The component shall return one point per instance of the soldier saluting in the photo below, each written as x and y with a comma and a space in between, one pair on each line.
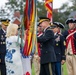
4, 24
46, 40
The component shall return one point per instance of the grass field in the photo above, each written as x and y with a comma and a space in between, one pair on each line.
64, 70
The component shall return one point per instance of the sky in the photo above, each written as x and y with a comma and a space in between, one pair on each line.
56, 3
2, 3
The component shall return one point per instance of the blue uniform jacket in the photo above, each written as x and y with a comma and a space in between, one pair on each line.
60, 47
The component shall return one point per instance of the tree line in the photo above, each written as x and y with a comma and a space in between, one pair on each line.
62, 14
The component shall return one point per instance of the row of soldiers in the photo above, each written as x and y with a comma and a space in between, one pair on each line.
52, 46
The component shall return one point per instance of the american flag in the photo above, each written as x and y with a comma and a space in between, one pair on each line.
49, 7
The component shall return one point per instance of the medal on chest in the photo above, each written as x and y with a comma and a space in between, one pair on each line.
2, 37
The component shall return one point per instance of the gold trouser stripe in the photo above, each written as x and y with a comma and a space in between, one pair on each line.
50, 69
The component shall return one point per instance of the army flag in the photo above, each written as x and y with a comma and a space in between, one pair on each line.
30, 26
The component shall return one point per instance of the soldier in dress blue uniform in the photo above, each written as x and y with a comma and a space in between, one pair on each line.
4, 25
59, 46
70, 36
46, 40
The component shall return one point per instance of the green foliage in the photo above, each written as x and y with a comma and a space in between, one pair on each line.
41, 9
14, 5
61, 16
64, 11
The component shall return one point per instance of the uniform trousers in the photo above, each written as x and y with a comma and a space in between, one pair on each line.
47, 69
58, 68
2, 64
71, 64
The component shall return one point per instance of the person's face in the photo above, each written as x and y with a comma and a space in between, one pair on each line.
71, 25
55, 29
58, 29
4, 27
44, 24
39, 29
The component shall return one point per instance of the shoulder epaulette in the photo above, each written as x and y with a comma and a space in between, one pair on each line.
49, 29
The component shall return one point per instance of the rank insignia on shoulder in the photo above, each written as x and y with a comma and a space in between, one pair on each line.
64, 43
49, 29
